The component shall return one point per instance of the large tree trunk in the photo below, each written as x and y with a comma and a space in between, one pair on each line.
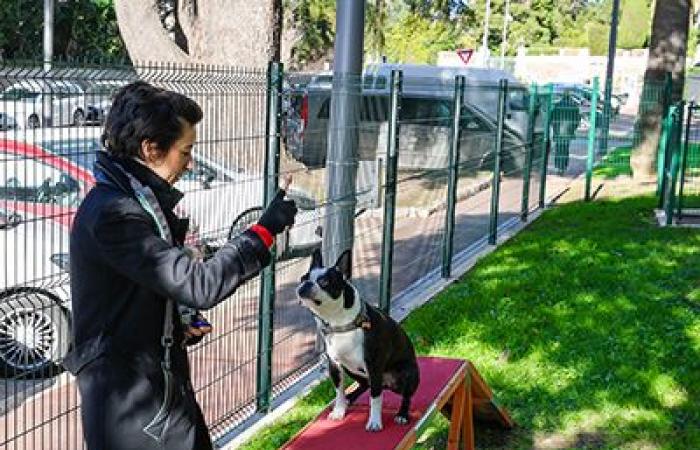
228, 32
669, 40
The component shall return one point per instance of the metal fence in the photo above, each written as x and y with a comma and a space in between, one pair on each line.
442, 166
679, 161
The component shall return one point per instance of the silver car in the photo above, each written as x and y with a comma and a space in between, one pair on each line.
39, 103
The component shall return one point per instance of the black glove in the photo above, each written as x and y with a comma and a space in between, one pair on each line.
279, 215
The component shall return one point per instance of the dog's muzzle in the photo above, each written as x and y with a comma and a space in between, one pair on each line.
306, 291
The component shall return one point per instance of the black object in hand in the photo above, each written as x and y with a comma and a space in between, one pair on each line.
279, 214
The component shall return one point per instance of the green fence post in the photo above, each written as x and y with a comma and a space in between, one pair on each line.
661, 161
684, 157
527, 173
496, 184
546, 144
675, 150
275, 72
453, 168
591, 140
664, 145
392, 147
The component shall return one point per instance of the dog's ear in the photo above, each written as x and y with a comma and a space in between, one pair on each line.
344, 264
316, 260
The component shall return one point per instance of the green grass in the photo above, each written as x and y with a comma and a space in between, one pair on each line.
586, 325
617, 162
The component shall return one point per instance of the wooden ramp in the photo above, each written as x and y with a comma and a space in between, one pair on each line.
451, 386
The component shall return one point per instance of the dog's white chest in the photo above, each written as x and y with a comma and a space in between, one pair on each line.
347, 350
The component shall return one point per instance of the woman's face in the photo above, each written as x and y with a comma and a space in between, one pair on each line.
178, 159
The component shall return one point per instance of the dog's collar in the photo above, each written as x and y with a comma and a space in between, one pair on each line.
360, 321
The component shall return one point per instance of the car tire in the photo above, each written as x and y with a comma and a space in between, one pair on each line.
79, 118
34, 333
250, 217
33, 121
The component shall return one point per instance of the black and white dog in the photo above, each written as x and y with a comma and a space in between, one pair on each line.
360, 340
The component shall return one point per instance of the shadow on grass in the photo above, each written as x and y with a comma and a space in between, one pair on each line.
583, 327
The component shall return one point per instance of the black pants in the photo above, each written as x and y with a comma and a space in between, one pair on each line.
120, 399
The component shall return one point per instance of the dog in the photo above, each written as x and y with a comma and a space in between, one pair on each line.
361, 341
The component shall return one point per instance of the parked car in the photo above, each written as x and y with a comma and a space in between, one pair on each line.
39, 103
219, 197
39, 195
42, 183
426, 109
98, 99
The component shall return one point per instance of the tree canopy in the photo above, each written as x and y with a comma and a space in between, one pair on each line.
82, 29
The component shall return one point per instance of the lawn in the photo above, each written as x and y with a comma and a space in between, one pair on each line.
586, 325
617, 162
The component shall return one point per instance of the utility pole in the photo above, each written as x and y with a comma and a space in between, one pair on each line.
485, 37
341, 160
612, 49
504, 39
48, 33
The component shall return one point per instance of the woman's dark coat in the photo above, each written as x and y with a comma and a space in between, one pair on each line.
122, 272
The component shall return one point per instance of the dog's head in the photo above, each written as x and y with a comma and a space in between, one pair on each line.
326, 290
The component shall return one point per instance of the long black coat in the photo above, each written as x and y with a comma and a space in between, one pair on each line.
122, 272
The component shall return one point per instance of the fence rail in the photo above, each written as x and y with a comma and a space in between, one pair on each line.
439, 168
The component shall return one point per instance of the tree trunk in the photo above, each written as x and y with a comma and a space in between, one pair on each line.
226, 32
276, 21
669, 40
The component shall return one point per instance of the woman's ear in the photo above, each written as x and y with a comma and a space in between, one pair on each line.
149, 152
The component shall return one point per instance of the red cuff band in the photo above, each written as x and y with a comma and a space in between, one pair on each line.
264, 234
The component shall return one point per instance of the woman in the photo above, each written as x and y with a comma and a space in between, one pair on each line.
129, 273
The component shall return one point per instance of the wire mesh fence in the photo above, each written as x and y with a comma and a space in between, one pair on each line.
447, 137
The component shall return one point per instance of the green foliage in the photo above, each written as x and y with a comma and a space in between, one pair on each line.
82, 29
635, 24
416, 39
315, 20
598, 38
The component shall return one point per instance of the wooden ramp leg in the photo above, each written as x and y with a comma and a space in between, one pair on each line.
468, 422
456, 417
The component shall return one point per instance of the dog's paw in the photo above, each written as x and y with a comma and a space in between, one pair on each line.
400, 420
374, 425
338, 412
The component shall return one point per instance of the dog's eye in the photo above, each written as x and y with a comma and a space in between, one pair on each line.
323, 282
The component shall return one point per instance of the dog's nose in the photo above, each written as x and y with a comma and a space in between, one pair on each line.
305, 289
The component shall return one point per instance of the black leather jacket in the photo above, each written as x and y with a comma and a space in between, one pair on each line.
122, 272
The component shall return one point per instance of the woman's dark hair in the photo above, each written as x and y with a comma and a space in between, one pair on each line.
141, 112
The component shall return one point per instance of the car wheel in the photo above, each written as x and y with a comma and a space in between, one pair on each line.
34, 333
33, 121
79, 118
250, 217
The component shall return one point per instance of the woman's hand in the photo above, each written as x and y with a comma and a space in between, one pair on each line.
196, 330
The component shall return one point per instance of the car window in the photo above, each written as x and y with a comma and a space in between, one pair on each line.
470, 123
425, 111
205, 172
374, 108
29, 180
82, 152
